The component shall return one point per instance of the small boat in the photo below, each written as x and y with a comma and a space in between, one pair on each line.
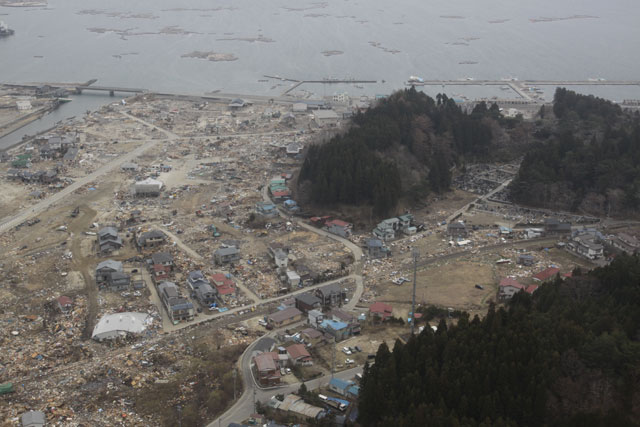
4, 30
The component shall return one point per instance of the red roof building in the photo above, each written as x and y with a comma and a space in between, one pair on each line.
508, 287
161, 272
381, 309
285, 194
338, 223
546, 274
223, 284
508, 281
299, 354
268, 373
531, 289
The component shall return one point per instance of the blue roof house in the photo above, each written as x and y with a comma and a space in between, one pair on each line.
339, 386
339, 330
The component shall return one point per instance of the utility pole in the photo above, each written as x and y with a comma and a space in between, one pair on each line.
254, 401
235, 374
415, 254
333, 360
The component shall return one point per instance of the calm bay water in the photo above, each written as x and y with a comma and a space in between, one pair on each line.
140, 44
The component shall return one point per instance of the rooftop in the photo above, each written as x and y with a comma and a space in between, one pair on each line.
297, 351
335, 325
308, 299
508, 281
110, 264
546, 274
121, 322
264, 362
380, 307
285, 314
231, 250
161, 257
340, 384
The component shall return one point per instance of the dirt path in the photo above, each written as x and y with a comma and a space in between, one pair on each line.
83, 264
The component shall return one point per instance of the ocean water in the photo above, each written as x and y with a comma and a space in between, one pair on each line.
142, 43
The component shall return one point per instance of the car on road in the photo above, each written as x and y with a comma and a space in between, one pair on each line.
349, 362
480, 287
358, 349
346, 351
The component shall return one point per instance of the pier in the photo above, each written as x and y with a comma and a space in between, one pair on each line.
522, 87
298, 83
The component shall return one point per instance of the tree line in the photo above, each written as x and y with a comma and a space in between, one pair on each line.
405, 146
567, 356
590, 161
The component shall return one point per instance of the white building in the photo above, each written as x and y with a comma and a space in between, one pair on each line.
112, 326
148, 187
23, 105
341, 97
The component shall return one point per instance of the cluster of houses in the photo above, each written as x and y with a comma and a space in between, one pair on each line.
290, 277
208, 291
280, 192
48, 147
57, 146
42, 176
392, 228
270, 365
508, 286
625, 243
326, 323
110, 274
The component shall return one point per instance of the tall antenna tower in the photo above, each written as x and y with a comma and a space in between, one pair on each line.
415, 254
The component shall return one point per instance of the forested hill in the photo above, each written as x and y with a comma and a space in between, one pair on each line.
403, 147
590, 162
567, 356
